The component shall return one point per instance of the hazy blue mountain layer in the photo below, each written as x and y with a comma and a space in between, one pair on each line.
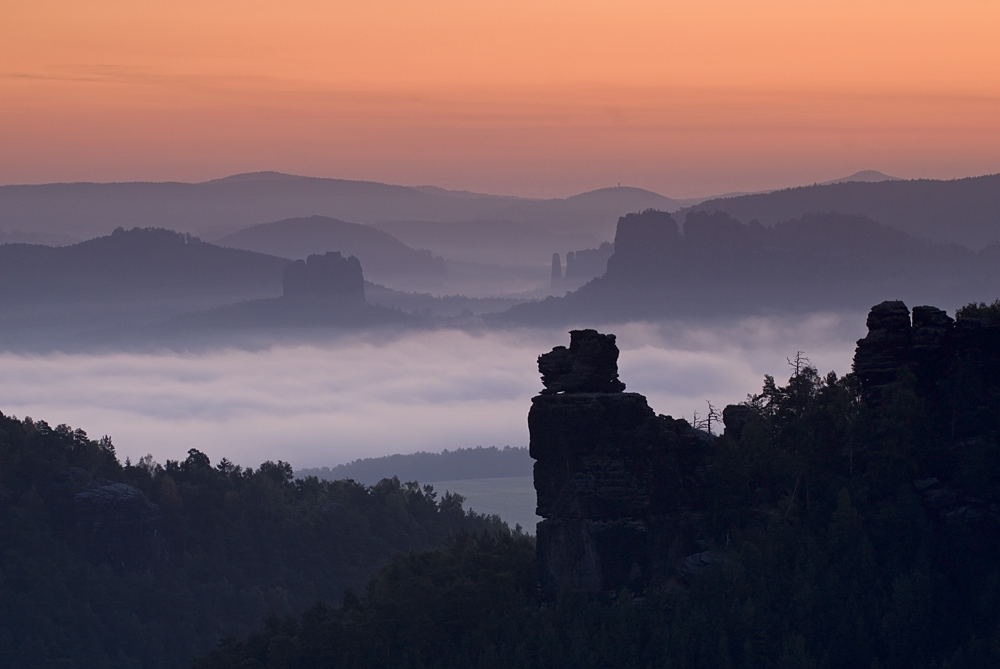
384, 257
215, 208
462, 463
720, 265
964, 211
137, 264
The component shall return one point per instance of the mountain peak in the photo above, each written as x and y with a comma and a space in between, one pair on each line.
871, 176
255, 176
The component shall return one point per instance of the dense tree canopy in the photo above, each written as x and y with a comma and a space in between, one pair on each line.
839, 533
111, 565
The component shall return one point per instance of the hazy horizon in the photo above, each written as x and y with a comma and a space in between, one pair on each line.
569, 192
536, 99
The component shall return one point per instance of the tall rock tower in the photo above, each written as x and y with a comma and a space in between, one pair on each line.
607, 473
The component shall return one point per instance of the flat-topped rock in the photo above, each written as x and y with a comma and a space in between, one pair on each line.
325, 277
589, 365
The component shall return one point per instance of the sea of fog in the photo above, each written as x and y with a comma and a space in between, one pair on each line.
368, 395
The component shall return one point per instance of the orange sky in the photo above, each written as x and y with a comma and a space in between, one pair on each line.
542, 97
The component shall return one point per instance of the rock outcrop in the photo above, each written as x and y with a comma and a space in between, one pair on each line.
650, 233
645, 246
587, 264
121, 525
888, 348
735, 417
328, 277
608, 474
952, 366
929, 346
589, 365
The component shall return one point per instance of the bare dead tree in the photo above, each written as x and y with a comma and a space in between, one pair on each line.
713, 416
799, 363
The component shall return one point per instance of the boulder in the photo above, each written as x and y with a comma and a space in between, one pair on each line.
120, 525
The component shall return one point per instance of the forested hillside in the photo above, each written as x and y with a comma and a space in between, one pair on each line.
844, 521
104, 564
385, 258
962, 211
461, 463
137, 265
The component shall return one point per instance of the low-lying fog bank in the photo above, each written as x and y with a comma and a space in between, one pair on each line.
365, 395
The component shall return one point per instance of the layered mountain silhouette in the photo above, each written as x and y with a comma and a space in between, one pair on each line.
114, 290
964, 211
721, 265
385, 258
496, 242
135, 265
322, 290
222, 206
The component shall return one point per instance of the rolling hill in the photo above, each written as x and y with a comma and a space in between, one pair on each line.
963, 211
138, 264
385, 259
215, 208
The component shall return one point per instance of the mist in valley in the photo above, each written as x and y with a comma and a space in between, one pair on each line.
233, 373
342, 397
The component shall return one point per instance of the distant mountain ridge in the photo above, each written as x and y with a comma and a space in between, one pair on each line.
722, 265
138, 264
963, 211
90, 294
869, 176
215, 208
385, 258
460, 464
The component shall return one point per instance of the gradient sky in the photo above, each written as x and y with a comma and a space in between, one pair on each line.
540, 97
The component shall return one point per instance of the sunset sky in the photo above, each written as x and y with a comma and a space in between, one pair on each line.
539, 98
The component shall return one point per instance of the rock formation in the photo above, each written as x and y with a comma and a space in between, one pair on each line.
735, 417
120, 524
608, 474
930, 347
587, 264
620, 489
590, 364
887, 349
329, 277
649, 233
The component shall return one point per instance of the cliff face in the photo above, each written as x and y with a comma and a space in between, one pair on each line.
608, 474
721, 264
328, 276
623, 493
587, 264
954, 365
